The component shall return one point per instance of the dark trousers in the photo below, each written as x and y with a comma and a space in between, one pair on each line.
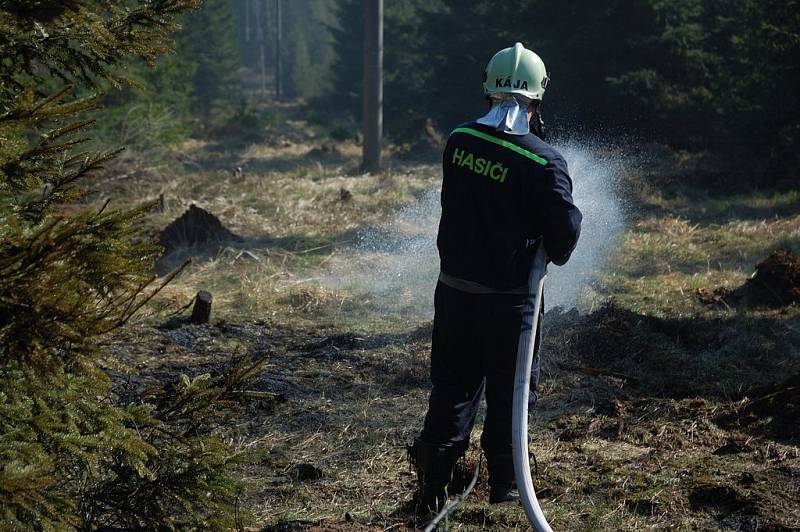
474, 351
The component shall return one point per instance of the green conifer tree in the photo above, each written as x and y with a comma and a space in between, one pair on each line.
414, 64
302, 79
158, 110
72, 456
212, 43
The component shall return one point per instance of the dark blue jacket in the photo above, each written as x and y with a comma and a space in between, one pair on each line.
499, 193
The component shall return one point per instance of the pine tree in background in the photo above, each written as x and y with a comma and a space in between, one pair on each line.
409, 65
192, 90
347, 33
158, 111
718, 76
302, 80
210, 39
308, 53
72, 456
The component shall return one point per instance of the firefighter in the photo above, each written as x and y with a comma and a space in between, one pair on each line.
503, 187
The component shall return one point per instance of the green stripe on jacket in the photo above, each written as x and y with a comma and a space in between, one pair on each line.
500, 142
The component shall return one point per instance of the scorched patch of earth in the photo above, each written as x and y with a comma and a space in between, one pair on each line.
626, 434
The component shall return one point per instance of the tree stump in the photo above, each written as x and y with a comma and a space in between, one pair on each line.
201, 312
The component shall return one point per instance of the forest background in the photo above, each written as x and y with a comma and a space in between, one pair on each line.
86, 445
701, 76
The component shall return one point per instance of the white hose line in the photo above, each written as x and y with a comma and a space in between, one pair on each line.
450, 506
522, 382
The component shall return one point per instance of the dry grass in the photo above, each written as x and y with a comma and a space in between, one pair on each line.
614, 453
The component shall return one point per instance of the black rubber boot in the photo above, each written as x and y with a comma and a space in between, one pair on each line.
434, 465
502, 486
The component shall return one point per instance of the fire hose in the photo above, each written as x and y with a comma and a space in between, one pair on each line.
522, 382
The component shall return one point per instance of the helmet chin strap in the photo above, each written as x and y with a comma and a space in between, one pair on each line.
537, 123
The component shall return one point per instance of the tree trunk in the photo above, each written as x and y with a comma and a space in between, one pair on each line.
373, 85
261, 37
277, 49
247, 20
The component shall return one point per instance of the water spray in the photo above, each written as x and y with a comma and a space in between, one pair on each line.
395, 265
398, 263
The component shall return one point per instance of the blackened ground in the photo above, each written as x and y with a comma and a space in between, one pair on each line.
633, 418
775, 283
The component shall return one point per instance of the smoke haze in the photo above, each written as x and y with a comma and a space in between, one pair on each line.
398, 263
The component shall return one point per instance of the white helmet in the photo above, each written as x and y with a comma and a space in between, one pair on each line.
516, 70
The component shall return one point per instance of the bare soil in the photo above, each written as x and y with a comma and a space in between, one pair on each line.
775, 283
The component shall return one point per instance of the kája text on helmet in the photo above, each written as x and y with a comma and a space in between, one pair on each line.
520, 84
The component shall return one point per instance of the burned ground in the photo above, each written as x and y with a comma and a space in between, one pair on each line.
344, 405
655, 411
